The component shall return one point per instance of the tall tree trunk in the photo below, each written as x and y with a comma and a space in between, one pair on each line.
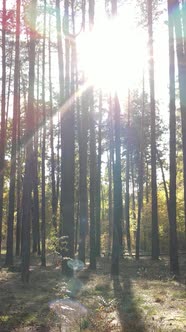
43, 195
3, 123
133, 187
92, 184
83, 177
98, 182
61, 100
36, 226
110, 212
10, 221
19, 183
181, 59
83, 194
28, 176
140, 177
110, 168
92, 161
68, 161
9, 81
183, 113
127, 199
77, 225
54, 197
58, 161
155, 233
117, 229
173, 249
147, 182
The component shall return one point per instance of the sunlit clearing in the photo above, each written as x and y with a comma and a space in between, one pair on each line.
112, 56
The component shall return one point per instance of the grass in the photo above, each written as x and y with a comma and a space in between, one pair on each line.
138, 301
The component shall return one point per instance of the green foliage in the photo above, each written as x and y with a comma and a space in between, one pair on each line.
146, 227
57, 245
163, 221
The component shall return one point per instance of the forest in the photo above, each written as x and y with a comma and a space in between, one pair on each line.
93, 165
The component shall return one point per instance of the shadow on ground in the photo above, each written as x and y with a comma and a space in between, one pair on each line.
27, 306
127, 306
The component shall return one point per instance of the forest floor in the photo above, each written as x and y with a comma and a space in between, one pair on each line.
145, 297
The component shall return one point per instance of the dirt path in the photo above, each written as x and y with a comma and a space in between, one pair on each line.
145, 297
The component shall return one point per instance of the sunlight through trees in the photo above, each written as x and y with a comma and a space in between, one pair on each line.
92, 152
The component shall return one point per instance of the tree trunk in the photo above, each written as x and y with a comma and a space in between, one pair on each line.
110, 168
155, 233
54, 196
147, 182
9, 81
19, 184
9, 252
43, 195
140, 177
98, 182
110, 216
181, 59
92, 184
28, 176
127, 200
35, 227
3, 121
92, 161
67, 198
83, 177
117, 229
173, 249
133, 188
61, 100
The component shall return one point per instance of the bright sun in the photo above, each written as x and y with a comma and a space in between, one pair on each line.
112, 56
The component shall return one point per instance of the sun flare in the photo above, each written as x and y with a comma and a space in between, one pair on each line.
112, 56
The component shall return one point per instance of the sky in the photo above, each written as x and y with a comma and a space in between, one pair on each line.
114, 55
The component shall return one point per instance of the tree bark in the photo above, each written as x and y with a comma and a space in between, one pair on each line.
54, 196
140, 176
83, 177
98, 181
28, 176
19, 183
127, 200
10, 221
117, 229
3, 121
155, 232
35, 225
173, 247
181, 59
92, 184
133, 188
92, 160
61, 100
67, 198
43, 195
